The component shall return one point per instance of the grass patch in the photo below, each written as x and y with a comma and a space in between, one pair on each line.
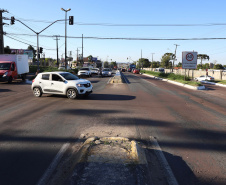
221, 82
173, 77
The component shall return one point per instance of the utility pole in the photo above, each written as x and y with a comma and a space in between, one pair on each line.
77, 54
82, 49
57, 48
1, 32
175, 54
65, 35
141, 60
152, 59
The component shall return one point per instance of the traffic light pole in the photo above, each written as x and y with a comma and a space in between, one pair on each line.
37, 33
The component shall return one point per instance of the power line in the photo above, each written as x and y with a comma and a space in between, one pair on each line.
25, 42
116, 24
143, 25
124, 38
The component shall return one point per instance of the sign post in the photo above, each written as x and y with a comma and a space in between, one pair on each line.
189, 60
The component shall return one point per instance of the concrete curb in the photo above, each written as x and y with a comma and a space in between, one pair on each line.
137, 152
177, 83
206, 82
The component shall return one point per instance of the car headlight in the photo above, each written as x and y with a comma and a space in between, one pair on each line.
80, 85
6, 73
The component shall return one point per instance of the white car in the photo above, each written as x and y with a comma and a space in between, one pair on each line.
95, 71
106, 72
63, 83
63, 67
204, 78
85, 71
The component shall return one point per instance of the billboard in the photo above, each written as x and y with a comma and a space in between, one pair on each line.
23, 52
189, 60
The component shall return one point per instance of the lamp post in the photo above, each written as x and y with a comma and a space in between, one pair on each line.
152, 60
65, 35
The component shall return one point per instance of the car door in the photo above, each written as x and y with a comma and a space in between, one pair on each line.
57, 84
44, 83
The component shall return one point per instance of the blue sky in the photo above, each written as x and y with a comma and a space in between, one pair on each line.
39, 14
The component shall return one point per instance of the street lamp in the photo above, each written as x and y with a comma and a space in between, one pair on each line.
65, 35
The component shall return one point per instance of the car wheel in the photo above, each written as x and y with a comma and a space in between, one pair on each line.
72, 93
37, 92
10, 80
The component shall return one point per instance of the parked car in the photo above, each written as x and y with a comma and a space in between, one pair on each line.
204, 77
63, 67
160, 70
136, 71
63, 83
95, 71
106, 72
85, 71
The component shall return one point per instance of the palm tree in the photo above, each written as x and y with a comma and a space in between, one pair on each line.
203, 57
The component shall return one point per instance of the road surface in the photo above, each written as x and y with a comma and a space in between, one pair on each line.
189, 125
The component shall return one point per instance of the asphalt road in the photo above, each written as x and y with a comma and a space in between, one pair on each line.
190, 126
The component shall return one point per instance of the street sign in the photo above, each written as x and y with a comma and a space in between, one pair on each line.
189, 60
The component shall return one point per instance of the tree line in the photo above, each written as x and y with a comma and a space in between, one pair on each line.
167, 62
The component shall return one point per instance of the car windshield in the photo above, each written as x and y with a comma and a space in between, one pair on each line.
69, 76
106, 70
85, 69
95, 69
4, 66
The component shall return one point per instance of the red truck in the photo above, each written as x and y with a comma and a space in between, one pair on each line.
13, 67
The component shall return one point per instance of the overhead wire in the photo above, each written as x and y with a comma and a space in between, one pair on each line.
127, 38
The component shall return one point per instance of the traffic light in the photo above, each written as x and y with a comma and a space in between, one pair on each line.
71, 20
40, 50
12, 20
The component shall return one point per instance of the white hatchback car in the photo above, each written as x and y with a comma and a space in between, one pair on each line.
59, 82
204, 78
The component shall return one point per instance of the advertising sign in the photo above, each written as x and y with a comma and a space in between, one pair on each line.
94, 59
189, 60
23, 52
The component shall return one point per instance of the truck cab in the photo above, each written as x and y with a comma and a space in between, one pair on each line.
13, 67
8, 71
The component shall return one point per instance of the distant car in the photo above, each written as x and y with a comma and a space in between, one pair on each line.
95, 71
63, 67
162, 70
123, 70
106, 72
85, 71
63, 83
136, 71
204, 78
129, 69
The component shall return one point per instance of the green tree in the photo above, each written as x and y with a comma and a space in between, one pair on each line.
155, 64
113, 64
7, 50
106, 64
203, 57
144, 62
206, 66
165, 61
90, 57
218, 66
179, 64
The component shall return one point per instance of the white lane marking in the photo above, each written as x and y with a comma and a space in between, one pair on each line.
169, 173
53, 165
